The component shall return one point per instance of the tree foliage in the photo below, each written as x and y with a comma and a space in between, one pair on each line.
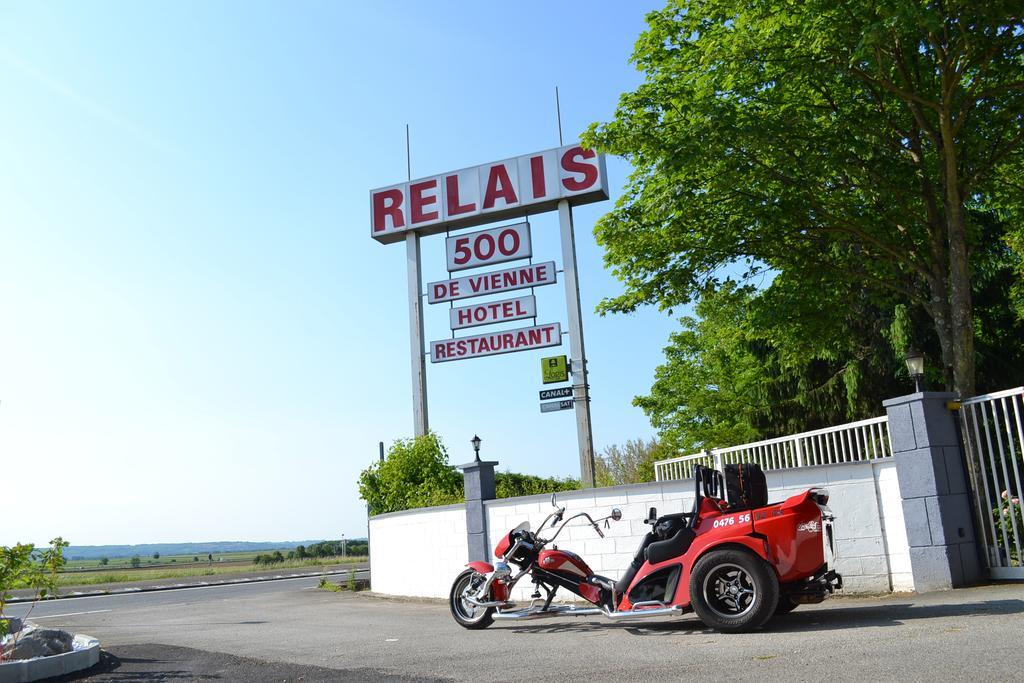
847, 146
802, 353
631, 463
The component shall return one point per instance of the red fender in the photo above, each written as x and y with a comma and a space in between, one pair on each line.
482, 567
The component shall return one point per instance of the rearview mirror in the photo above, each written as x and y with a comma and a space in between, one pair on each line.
616, 514
553, 503
652, 516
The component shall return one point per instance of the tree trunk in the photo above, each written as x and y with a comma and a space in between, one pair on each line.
960, 304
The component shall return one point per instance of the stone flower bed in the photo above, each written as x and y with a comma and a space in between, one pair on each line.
31, 653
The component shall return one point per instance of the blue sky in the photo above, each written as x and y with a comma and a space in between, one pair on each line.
198, 338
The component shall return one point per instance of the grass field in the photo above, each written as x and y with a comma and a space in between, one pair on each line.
165, 560
127, 574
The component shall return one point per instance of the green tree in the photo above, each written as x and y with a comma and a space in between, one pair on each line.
415, 473
848, 143
24, 566
631, 463
136, 561
156, 556
104, 561
759, 364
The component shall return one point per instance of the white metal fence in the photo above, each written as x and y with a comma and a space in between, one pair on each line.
994, 441
853, 442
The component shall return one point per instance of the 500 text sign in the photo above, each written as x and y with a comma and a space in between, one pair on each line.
488, 247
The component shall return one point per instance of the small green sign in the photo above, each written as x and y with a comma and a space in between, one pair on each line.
554, 369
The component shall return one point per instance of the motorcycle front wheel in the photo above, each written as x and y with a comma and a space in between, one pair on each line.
466, 614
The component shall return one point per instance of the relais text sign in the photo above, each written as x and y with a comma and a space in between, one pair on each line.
488, 193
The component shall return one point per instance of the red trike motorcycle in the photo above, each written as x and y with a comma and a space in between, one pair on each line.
735, 561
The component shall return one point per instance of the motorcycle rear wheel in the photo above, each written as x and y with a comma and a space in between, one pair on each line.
466, 614
733, 591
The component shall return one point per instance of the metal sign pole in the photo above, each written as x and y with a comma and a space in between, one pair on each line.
580, 385
419, 359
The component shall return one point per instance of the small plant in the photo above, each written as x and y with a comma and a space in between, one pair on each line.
352, 579
1003, 516
328, 586
23, 566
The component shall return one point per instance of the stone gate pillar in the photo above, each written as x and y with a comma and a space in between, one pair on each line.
478, 483
933, 484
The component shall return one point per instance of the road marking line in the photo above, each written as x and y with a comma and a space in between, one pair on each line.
138, 591
72, 614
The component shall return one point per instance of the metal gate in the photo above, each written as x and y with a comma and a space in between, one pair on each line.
994, 442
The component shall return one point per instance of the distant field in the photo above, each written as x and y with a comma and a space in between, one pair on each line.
170, 560
239, 563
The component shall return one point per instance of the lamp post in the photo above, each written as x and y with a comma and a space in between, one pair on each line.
476, 446
915, 366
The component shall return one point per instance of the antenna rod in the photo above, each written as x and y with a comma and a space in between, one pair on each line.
558, 113
408, 157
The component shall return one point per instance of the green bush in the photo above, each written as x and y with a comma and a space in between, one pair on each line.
416, 474
513, 485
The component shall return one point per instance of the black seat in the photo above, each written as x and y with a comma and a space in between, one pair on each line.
675, 546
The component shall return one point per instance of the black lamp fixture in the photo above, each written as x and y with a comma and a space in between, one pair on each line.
476, 446
915, 366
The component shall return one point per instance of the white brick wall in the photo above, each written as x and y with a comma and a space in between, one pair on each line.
417, 552
872, 552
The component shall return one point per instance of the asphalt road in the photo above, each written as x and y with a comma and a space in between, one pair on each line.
288, 630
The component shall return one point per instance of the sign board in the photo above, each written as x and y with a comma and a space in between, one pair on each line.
560, 392
505, 341
488, 247
555, 406
554, 369
489, 193
469, 286
493, 312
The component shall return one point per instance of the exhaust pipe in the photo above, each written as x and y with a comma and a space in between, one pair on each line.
553, 611
644, 613
570, 611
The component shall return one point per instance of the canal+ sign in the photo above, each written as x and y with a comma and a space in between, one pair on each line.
488, 193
